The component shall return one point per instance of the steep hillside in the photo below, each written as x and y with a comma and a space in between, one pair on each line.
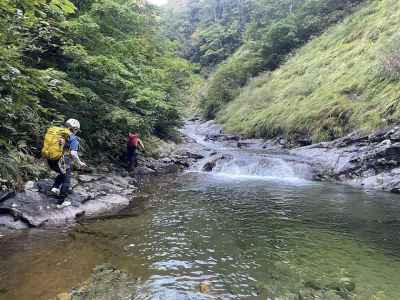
344, 80
270, 38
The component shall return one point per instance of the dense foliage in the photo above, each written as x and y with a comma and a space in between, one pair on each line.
209, 31
103, 62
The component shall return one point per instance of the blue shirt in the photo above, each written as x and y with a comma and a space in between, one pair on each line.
72, 143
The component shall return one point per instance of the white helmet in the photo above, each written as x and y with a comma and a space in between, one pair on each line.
73, 124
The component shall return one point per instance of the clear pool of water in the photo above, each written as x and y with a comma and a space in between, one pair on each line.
249, 238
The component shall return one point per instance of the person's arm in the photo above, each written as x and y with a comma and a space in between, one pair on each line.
74, 146
76, 158
141, 144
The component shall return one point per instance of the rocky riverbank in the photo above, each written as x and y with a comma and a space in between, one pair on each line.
364, 161
104, 191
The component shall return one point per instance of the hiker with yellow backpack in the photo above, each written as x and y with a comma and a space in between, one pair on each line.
61, 147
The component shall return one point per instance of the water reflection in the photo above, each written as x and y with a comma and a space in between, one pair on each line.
247, 238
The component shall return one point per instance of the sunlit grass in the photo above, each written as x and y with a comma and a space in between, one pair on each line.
331, 86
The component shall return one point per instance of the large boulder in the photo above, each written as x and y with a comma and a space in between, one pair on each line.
94, 195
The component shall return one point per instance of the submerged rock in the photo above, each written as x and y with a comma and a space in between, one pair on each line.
204, 287
342, 284
106, 283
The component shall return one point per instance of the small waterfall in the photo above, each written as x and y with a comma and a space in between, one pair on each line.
230, 161
261, 167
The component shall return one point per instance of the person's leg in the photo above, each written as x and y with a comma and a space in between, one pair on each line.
129, 157
53, 164
66, 183
134, 158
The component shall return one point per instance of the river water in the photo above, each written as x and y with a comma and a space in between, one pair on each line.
249, 232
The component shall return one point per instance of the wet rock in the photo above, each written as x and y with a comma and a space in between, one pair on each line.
221, 137
87, 178
104, 205
188, 140
188, 154
371, 161
195, 118
143, 171
394, 134
332, 295
306, 294
106, 283
314, 284
282, 142
9, 222
120, 181
303, 142
209, 166
165, 165
44, 185
342, 284
124, 173
250, 143
212, 162
6, 195
95, 195
209, 127
182, 161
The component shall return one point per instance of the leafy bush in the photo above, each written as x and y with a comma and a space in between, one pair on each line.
103, 62
224, 84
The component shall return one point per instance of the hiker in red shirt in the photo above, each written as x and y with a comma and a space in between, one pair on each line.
133, 143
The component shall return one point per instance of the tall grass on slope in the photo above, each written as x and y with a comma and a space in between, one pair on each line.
347, 79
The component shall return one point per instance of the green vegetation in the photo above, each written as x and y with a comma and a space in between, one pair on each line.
104, 62
111, 64
268, 45
344, 80
209, 31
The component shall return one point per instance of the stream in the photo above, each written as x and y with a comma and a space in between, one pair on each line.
256, 227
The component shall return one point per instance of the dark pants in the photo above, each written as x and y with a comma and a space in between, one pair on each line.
63, 179
131, 157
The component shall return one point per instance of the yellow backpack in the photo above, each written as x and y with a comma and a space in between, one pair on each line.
53, 148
